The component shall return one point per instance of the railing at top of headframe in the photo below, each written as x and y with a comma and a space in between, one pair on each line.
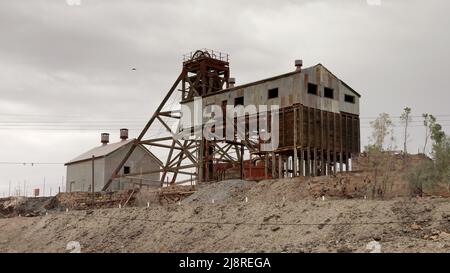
217, 55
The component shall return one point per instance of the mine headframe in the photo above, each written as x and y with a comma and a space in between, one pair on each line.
205, 72
182, 160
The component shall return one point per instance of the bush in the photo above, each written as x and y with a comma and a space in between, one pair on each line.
423, 177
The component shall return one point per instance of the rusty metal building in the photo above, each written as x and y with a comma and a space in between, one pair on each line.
319, 127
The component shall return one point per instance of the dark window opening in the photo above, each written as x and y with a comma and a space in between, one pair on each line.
349, 98
312, 89
273, 93
328, 93
126, 170
239, 101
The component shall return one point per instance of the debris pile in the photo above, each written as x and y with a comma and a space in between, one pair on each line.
84, 200
24, 206
223, 191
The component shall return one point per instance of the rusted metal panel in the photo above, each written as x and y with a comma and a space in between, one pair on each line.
328, 127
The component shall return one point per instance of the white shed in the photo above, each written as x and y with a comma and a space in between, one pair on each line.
104, 159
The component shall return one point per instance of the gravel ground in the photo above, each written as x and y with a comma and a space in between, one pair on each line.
274, 218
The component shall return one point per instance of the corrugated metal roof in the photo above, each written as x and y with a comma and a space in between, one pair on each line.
100, 151
345, 84
272, 79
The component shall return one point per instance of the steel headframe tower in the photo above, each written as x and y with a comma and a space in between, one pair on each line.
189, 159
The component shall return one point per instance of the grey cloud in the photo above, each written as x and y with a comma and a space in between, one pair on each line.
67, 61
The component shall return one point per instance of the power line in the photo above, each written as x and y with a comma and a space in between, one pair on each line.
140, 118
30, 163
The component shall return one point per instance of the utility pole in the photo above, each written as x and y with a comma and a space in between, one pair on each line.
242, 160
43, 189
9, 191
140, 176
93, 184
25, 188
62, 183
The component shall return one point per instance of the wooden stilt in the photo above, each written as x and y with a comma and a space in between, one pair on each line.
274, 165
314, 171
308, 162
334, 162
301, 162
280, 167
294, 158
328, 162
347, 165
266, 166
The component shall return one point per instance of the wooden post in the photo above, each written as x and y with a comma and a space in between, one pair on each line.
280, 166
328, 162
274, 164
315, 162
341, 158
92, 181
308, 162
285, 166
294, 159
140, 182
266, 166
200, 160
301, 162
322, 162
250, 166
242, 160
328, 153
347, 161
322, 145
334, 162
301, 140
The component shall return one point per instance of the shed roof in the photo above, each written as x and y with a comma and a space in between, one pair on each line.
100, 151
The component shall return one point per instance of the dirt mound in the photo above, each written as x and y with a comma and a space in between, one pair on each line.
349, 225
223, 191
390, 179
24, 206
302, 214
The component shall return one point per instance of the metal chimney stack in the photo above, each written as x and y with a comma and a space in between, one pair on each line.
231, 82
298, 65
105, 138
123, 134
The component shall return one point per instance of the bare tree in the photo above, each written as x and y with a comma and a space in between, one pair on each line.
405, 118
428, 121
382, 127
379, 158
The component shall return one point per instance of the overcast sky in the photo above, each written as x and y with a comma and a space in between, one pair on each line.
66, 70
